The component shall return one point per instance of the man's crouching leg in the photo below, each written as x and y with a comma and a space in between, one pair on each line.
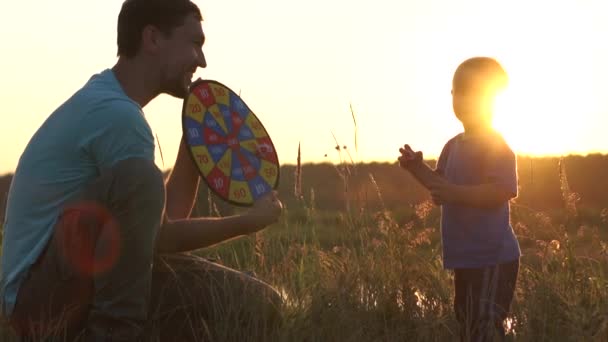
93, 279
194, 299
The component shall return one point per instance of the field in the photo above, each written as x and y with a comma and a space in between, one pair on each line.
365, 265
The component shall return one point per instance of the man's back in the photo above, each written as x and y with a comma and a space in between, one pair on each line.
96, 127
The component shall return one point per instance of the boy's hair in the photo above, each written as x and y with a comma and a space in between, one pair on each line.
162, 14
480, 76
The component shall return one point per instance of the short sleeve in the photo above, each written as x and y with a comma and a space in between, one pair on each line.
501, 168
117, 130
443, 158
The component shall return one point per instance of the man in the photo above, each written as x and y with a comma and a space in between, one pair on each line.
88, 212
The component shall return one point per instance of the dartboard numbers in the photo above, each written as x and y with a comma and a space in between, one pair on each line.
202, 158
255, 126
220, 94
195, 109
225, 164
228, 143
219, 182
193, 133
269, 172
239, 192
216, 114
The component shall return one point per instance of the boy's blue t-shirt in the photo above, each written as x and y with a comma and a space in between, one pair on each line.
478, 237
97, 127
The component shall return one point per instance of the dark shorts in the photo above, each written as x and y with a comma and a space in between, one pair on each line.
483, 299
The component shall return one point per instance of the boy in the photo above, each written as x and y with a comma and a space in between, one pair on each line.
474, 180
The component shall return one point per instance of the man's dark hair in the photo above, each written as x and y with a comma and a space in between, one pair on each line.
162, 14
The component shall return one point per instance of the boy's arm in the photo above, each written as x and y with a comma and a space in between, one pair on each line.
480, 196
498, 187
424, 174
413, 162
182, 185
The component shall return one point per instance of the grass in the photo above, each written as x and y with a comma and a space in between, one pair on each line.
356, 275
369, 278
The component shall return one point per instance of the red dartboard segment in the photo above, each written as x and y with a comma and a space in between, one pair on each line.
239, 163
265, 150
249, 172
218, 182
204, 94
211, 137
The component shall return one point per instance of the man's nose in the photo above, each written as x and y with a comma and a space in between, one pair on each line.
202, 62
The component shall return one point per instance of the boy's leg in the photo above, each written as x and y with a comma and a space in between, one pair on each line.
95, 272
483, 298
194, 299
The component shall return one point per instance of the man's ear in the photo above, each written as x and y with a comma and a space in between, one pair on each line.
151, 39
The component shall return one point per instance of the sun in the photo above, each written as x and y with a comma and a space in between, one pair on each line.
542, 111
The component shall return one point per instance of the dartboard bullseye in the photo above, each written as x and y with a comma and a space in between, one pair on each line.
231, 148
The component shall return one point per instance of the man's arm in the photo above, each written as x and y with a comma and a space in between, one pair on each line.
190, 234
182, 185
179, 233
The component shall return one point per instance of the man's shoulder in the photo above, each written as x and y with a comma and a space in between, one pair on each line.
103, 92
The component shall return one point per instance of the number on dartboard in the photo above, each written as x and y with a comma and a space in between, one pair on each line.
259, 188
202, 158
193, 132
219, 183
219, 92
239, 193
195, 108
204, 93
270, 172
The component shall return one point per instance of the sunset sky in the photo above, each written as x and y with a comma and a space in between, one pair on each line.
300, 65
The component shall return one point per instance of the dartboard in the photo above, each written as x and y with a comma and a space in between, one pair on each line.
231, 148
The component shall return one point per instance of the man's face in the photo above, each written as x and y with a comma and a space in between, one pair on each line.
180, 56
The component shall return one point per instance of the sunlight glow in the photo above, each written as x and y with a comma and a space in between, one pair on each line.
539, 115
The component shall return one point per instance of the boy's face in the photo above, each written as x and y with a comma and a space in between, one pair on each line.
472, 99
180, 54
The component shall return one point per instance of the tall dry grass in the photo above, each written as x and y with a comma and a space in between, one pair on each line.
359, 275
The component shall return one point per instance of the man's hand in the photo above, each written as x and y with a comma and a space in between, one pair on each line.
408, 156
265, 211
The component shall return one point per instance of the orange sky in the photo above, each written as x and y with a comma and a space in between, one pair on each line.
299, 66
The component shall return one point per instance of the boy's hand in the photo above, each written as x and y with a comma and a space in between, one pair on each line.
408, 156
266, 210
443, 192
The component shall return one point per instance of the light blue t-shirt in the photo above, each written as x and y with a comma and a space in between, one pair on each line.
478, 237
97, 127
